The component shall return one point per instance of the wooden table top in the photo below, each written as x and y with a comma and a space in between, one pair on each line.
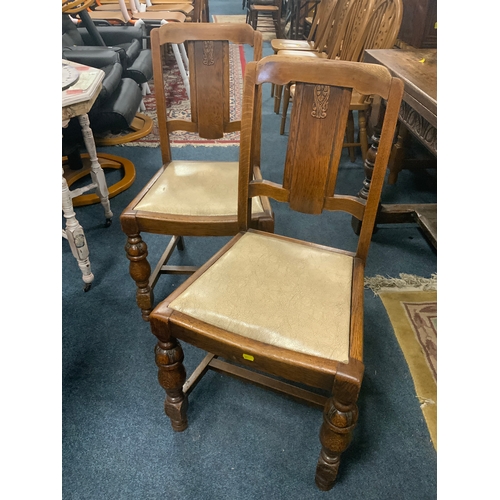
418, 70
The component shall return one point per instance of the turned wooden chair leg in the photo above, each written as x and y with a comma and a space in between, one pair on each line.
350, 136
171, 375
140, 271
286, 100
339, 419
363, 133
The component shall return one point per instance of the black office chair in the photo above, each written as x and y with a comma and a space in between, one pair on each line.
136, 63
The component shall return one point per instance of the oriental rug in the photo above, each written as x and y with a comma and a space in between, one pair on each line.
411, 304
178, 104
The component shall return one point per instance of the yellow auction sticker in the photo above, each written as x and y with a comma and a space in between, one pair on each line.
248, 357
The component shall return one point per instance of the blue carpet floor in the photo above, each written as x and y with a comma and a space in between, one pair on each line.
242, 442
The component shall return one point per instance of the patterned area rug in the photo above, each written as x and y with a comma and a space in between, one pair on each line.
179, 107
411, 304
265, 26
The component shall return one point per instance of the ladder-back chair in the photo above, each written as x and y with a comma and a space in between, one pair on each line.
272, 304
270, 9
191, 198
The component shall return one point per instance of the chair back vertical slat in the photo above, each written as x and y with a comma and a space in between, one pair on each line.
317, 124
330, 43
208, 51
319, 117
322, 23
352, 30
209, 82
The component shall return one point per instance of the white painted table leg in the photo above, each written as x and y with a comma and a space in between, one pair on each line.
75, 236
182, 69
96, 172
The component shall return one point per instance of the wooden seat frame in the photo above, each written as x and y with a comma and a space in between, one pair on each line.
310, 173
208, 54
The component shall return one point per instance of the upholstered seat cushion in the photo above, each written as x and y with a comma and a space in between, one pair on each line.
197, 189
280, 292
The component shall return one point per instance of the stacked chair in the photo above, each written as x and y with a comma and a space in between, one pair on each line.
270, 9
118, 13
280, 312
357, 25
191, 198
134, 10
321, 25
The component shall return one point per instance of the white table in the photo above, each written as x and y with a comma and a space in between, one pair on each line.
78, 99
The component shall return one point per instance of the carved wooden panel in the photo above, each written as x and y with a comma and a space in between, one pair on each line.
209, 79
419, 127
318, 119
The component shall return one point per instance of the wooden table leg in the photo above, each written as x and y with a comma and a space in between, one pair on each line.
398, 153
422, 214
387, 214
76, 237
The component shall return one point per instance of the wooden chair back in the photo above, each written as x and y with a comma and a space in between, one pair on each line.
349, 29
317, 129
383, 26
365, 24
208, 55
321, 23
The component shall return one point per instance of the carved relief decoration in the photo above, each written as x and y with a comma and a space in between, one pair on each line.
208, 53
321, 97
419, 126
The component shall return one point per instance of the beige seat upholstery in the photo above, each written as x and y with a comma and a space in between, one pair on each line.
196, 189
309, 286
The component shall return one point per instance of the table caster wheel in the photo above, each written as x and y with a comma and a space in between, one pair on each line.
107, 223
87, 287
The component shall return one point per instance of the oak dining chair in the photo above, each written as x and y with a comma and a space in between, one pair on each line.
281, 312
191, 198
